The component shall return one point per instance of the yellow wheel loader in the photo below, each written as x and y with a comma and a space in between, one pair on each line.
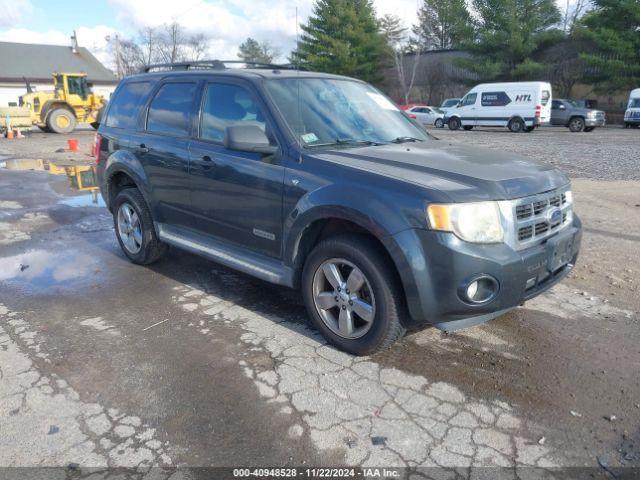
71, 102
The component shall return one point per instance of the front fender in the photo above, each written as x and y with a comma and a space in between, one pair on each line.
364, 207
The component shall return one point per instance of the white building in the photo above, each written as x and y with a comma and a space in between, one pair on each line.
37, 63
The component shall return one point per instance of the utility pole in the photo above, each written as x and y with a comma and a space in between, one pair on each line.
118, 63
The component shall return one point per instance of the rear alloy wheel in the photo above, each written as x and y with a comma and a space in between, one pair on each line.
439, 123
576, 124
516, 125
134, 228
352, 294
129, 228
454, 123
61, 120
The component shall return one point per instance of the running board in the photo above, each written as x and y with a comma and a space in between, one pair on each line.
238, 258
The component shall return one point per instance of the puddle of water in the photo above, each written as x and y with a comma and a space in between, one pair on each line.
24, 164
43, 269
93, 199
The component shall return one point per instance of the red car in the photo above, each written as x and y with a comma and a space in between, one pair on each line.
411, 105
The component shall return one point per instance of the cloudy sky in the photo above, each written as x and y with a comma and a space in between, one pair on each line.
226, 22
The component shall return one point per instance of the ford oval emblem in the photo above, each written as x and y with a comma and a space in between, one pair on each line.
555, 216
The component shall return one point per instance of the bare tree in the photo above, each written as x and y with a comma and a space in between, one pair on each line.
148, 42
171, 42
571, 13
196, 47
169, 45
399, 45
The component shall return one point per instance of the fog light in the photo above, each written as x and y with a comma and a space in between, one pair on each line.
472, 289
478, 289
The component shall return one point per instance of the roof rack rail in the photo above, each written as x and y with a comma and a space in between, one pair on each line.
212, 65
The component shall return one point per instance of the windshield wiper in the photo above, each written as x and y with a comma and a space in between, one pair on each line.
345, 141
406, 139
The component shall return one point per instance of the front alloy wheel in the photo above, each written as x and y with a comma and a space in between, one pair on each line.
129, 228
343, 298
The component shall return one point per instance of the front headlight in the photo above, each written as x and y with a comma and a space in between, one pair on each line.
473, 222
592, 114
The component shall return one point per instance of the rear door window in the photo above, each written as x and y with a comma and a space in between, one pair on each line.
124, 109
546, 95
170, 110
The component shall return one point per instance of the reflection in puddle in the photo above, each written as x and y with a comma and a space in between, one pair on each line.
82, 177
41, 268
93, 199
24, 164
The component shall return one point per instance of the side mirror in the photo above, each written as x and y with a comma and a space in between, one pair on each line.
248, 138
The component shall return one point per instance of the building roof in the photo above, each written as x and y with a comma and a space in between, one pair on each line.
38, 62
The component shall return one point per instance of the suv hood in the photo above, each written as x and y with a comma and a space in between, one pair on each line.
464, 173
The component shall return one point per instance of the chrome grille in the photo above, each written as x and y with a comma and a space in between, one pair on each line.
532, 219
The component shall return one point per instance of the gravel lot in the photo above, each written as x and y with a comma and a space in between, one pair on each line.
611, 153
103, 363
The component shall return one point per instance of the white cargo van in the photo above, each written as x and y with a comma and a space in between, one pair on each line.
632, 114
519, 106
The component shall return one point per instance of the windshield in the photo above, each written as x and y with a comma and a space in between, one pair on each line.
573, 103
634, 103
450, 103
323, 112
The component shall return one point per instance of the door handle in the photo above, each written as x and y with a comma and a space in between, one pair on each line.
143, 148
207, 162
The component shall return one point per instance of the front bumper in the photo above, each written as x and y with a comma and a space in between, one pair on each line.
435, 266
594, 122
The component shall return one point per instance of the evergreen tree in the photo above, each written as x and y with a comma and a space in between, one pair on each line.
509, 34
343, 37
613, 28
253, 51
442, 24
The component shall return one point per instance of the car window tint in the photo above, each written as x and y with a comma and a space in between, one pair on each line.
470, 99
170, 109
124, 108
227, 105
555, 104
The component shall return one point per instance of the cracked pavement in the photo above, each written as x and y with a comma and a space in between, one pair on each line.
187, 363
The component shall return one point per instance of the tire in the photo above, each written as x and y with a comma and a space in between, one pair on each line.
61, 120
439, 123
150, 248
576, 124
380, 290
468, 127
589, 129
454, 123
516, 125
44, 128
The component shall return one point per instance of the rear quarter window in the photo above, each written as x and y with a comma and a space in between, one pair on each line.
125, 106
